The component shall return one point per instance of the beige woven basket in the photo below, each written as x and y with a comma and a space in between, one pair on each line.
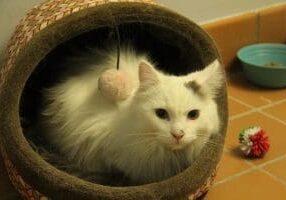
54, 22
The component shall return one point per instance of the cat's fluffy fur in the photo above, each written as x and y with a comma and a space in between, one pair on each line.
100, 135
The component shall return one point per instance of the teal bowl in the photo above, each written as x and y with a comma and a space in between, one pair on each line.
264, 64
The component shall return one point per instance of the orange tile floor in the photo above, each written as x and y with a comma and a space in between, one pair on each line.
240, 178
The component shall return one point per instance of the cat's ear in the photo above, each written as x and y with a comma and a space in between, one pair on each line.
147, 74
211, 78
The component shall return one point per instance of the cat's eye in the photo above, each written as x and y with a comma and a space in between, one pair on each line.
162, 113
193, 114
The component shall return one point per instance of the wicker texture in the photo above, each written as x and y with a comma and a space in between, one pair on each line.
42, 16
25, 190
28, 193
38, 19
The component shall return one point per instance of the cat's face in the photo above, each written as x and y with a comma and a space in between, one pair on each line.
178, 111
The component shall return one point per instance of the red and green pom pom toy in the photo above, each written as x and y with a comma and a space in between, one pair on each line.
254, 142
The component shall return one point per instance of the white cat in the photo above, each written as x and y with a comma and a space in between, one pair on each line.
154, 134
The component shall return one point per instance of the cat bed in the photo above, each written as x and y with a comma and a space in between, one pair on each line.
175, 40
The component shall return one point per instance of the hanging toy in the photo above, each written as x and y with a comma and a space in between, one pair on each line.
254, 142
115, 85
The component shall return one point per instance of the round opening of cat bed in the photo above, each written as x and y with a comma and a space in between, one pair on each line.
175, 58
176, 44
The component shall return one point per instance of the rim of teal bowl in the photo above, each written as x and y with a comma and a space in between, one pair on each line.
253, 46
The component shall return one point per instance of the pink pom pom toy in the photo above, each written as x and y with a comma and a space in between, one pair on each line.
115, 85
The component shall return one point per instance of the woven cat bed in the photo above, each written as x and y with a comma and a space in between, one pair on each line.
55, 22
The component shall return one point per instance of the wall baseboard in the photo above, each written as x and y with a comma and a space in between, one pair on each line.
232, 33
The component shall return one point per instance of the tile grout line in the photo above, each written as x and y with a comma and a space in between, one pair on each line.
237, 175
237, 116
274, 177
253, 111
239, 101
260, 107
277, 159
261, 168
252, 168
259, 110
271, 104
272, 117
266, 100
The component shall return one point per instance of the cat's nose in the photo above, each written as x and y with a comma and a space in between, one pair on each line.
178, 134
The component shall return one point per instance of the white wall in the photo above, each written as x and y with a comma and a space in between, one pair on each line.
11, 11
202, 11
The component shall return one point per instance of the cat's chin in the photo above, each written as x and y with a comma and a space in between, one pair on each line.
176, 146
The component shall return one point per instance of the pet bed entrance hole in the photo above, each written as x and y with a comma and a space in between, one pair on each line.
172, 52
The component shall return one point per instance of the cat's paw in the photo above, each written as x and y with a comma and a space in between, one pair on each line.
115, 85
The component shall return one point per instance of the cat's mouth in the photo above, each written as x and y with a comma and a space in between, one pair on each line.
173, 143
176, 145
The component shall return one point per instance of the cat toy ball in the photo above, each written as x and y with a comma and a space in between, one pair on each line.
254, 142
115, 85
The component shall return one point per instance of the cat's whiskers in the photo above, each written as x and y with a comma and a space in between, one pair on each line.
143, 134
147, 150
144, 140
177, 165
206, 140
163, 136
201, 134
